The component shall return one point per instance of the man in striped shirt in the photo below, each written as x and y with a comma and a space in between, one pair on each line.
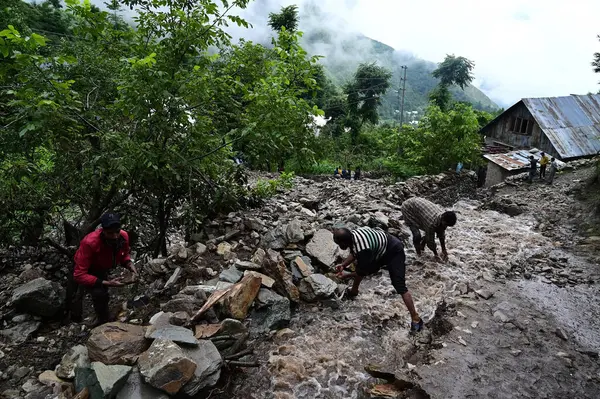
371, 249
421, 214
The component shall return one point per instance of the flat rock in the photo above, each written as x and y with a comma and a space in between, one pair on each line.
208, 366
77, 356
323, 248
101, 380
116, 343
301, 267
485, 294
165, 366
231, 275
246, 265
39, 297
265, 280
21, 332
317, 286
136, 388
173, 333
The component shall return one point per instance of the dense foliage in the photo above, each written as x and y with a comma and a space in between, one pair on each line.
151, 119
110, 116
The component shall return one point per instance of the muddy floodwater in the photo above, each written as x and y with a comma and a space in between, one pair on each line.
325, 352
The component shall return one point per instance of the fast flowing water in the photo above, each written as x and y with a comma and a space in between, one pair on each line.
326, 354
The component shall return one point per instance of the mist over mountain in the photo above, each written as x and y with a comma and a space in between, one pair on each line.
327, 34
342, 48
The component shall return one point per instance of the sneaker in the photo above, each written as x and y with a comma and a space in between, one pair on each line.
416, 326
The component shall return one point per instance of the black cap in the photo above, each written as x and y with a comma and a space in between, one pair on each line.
109, 220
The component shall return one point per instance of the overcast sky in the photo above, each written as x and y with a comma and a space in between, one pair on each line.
521, 48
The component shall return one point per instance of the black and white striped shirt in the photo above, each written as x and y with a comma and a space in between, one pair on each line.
366, 238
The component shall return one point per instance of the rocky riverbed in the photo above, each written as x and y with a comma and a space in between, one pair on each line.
251, 308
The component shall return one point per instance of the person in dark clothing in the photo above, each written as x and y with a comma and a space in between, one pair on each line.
344, 174
371, 249
98, 253
532, 168
357, 173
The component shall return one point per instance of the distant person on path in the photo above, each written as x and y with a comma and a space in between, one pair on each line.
338, 172
553, 169
357, 173
544, 161
371, 249
344, 174
421, 214
532, 168
98, 253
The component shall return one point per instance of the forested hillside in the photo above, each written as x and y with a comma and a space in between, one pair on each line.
343, 52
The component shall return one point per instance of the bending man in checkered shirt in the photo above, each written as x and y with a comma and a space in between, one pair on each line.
421, 214
371, 249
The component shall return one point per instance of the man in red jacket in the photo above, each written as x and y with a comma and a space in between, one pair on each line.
98, 253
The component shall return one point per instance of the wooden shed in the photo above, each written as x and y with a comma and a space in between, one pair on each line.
564, 127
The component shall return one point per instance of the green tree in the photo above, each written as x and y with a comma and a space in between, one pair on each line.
287, 18
143, 120
455, 71
452, 71
443, 139
364, 95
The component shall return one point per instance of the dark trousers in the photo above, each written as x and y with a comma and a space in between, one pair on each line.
395, 259
417, 238
542, 171
100, 299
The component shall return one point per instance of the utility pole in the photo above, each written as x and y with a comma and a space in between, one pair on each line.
403, 91
401, 100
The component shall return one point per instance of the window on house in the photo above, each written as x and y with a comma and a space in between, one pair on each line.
521, 125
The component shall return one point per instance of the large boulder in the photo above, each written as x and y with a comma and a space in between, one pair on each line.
323, 248
165, 366
136, 388
272, 312
240, 297
317, 286
208, 366
101, 380
275, 267
39, 297
116, 343
76, 356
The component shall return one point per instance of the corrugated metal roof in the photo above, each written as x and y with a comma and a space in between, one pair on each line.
571, 123
516, 160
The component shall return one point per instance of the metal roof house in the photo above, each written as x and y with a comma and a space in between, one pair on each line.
564, 127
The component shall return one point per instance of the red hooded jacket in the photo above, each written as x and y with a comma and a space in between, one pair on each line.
96, 257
